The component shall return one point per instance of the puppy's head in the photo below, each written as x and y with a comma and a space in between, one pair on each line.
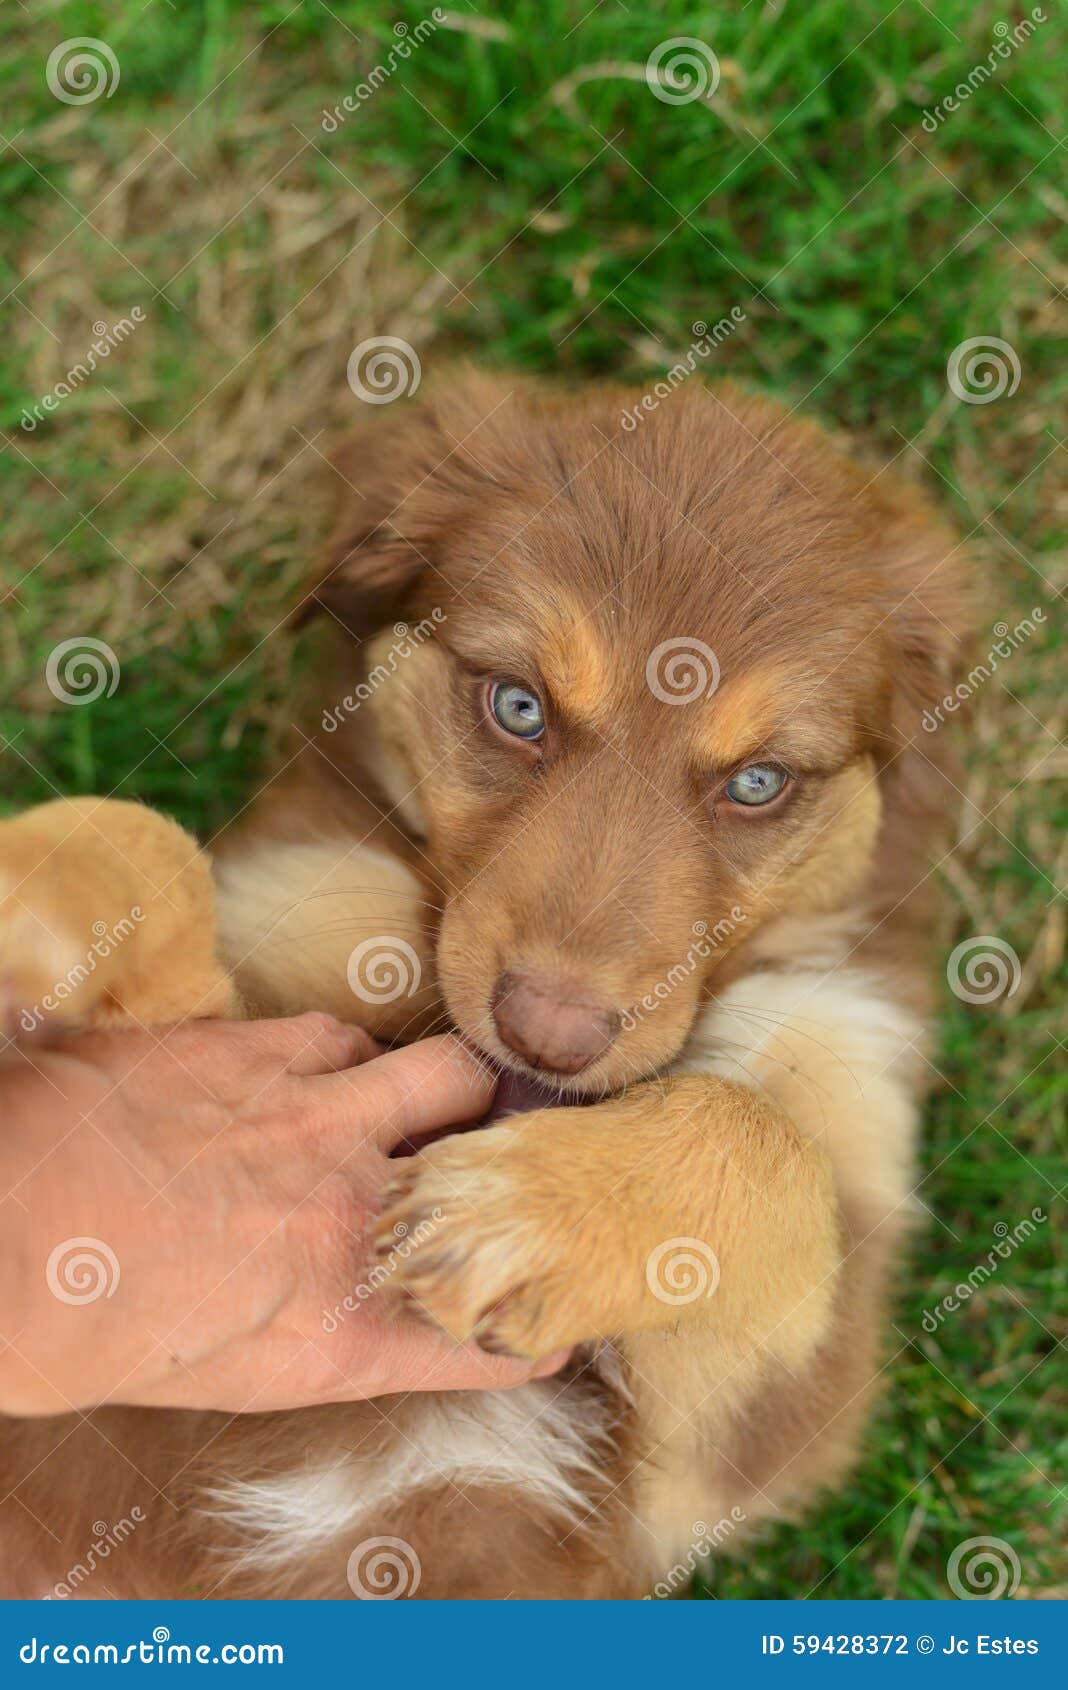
654, 686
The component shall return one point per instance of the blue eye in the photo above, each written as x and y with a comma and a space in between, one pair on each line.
517, 710
758, 784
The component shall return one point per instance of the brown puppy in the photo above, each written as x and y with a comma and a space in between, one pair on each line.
633, 799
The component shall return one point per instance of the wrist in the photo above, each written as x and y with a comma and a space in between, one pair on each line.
48, 1254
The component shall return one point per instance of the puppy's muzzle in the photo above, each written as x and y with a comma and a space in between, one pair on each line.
552, 1024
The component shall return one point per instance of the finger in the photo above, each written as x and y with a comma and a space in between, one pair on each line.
428, 1361
311, 1044
411, 1092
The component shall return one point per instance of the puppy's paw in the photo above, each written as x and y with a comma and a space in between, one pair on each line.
50, 972
106, 915
483, 1236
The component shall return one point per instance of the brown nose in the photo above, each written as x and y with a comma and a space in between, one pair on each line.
550, 1024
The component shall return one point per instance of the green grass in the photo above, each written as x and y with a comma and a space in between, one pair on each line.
488, 199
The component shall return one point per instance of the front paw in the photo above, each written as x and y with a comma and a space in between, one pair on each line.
49, 971
480, 1237
106, 915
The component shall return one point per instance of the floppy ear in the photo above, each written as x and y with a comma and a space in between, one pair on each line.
927, 590
380, 543
405, 478
927, 654
930, 617
367, 571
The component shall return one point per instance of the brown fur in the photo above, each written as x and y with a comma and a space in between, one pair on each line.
561, 551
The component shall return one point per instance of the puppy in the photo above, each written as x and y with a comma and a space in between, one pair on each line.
621, 777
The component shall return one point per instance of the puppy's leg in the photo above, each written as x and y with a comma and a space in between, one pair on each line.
690, 1199
106, 915
842, 1055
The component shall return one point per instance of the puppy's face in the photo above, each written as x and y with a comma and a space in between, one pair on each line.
640, 711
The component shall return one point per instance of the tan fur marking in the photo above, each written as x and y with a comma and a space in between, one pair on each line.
742, 715
574, 666
766, 709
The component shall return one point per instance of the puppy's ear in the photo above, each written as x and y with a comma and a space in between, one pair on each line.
380, 544
405, 479
930, 615
367, 569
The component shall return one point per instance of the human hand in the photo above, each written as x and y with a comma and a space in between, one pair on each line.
221, 1182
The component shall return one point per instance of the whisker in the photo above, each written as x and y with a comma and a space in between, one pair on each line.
353, 927
778, 1022
367, 891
